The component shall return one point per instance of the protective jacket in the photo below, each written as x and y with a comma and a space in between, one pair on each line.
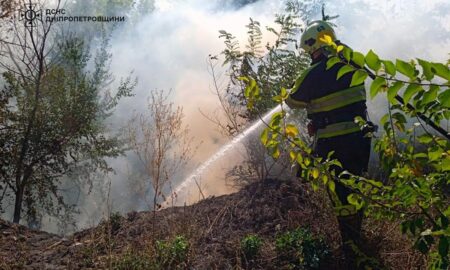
331, 104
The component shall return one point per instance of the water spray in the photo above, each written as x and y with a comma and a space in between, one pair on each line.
221, 152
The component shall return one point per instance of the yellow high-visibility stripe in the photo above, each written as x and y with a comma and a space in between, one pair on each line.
337, 129
296, 103
345, 210
337, 100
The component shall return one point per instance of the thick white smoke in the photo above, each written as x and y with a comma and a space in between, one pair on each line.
168, 49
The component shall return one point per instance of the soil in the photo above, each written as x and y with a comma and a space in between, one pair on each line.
214, 228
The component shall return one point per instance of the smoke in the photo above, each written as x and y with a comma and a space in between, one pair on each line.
394, 29
168, 49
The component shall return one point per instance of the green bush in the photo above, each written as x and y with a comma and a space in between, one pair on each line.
115, 221
299, 249
251, 246
172, 254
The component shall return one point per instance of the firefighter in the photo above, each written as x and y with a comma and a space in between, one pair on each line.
332, 106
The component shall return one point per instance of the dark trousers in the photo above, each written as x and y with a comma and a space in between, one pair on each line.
353, 151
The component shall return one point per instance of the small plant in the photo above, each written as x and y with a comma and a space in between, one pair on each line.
299, 249
250, 246
115, 221
172, 255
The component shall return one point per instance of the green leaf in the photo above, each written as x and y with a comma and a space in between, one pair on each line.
299, 159
353, 199
373, 61
344, 70
384, 119
393, 90
292, 155
265, 136
430, 95
444, 98
315, 173
410, 91
358, 77
277, 98
347, 53
446, 164
405, 68
331, 185
358, 58
425, 139
332, 61
435, 155
426, 68
389, 67
441, 70
376, 85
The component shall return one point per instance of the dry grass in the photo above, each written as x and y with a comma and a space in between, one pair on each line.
214, 228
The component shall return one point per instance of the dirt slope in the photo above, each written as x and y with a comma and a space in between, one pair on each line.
214, 228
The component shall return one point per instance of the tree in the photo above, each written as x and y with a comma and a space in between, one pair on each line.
52, 116
6, 8
161, 143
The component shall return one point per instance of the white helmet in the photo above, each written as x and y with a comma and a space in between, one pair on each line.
310, 41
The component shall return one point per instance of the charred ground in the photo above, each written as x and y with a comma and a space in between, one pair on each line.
213, 229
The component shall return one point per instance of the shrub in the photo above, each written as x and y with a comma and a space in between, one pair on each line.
173, 254
115, 221
299, 249
250, 246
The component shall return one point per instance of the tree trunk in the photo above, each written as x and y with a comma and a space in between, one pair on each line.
18, 205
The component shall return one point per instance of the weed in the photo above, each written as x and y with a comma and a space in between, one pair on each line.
251, 246
172, 254
115, 221
299, 249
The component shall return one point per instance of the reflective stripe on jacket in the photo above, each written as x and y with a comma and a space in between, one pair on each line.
323, 96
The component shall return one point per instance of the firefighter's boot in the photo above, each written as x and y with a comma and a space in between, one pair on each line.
350, 227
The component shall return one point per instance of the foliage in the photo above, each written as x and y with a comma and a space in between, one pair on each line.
271, 65
161, 143
416, 159
298, 249
172, 254
115, 221
251, 246
52, 120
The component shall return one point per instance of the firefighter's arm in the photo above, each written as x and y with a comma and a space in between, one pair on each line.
295, 104
299, 95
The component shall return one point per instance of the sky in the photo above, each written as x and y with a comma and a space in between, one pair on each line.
168, 49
